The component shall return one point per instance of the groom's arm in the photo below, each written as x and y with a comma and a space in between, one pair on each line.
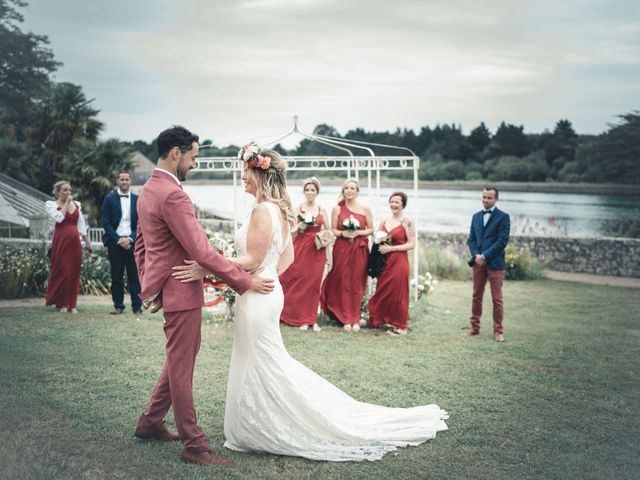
472, 241
179, 216
502, 238
139, 252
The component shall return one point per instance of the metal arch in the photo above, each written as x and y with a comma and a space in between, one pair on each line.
345, 145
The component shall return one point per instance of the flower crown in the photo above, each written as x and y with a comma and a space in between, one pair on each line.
250, 154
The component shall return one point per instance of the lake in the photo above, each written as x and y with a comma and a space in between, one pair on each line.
449, 211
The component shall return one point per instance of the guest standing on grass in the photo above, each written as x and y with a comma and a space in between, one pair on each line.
344, 286
301, 281
397, 235
488, 237
63, 285
120, 221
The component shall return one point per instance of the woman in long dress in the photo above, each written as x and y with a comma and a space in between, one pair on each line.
66, 250
390, 303
274, 403
344, 286
301, 281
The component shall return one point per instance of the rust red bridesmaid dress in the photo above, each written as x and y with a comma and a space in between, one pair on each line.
301, 281
66, 258
390, 303
344, 286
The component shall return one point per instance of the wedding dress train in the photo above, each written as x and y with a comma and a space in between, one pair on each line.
275, 404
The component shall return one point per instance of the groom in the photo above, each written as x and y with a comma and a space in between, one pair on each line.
169, 234
488, 237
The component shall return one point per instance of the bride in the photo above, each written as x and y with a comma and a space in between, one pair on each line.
274, 403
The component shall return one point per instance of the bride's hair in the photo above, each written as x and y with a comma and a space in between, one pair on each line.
271, 183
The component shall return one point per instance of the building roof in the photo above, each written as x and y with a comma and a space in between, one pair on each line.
20, 202
141, 164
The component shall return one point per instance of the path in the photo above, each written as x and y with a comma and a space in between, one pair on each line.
629, 282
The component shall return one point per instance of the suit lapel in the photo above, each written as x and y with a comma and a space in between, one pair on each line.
118, 208
480, 222
494, 214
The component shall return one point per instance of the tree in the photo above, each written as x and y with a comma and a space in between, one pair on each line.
479, 139
64, 117
562, 142
91, 167
26, 64
615, 155
508, 140
310, 147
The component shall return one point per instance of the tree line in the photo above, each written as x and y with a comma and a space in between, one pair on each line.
50, 130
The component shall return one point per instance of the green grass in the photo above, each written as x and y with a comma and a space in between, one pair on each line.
560, 399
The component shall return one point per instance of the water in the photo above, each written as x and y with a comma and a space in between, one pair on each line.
449, 211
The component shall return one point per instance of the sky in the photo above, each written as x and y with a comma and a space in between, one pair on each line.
238, 70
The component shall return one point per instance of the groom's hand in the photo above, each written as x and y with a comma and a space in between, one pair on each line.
260, 284
190, 272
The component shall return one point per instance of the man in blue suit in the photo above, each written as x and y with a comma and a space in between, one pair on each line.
488, 238
120, 221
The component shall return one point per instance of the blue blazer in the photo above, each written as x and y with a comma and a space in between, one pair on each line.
111, 215
489, 240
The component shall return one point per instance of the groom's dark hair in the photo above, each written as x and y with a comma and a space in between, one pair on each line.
488, 189
175, 136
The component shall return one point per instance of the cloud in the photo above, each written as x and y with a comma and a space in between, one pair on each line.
238, 68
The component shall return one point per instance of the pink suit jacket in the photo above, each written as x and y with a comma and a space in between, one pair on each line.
168, 234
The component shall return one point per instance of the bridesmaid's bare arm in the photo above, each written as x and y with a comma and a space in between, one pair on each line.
334, 221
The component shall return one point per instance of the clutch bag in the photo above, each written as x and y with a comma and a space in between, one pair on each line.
323, 239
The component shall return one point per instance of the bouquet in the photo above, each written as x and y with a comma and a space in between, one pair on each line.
351, 224
381, 237
426, 284
216, 290
307, 221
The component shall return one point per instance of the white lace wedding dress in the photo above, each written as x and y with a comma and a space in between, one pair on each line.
275, 404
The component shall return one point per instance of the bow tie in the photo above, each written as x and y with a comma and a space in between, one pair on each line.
487, 211
124, 196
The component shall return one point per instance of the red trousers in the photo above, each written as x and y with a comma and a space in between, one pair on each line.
496, 279
175, 385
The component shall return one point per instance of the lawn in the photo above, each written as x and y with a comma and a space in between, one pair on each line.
559, 399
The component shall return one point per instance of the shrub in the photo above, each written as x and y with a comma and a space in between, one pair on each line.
23, 272
443, 262
622, 227
95, 273
521, 265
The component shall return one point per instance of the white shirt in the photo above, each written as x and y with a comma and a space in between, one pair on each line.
486, 216
170, 174
56, 215
124, 227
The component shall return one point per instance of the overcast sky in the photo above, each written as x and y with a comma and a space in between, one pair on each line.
240, 69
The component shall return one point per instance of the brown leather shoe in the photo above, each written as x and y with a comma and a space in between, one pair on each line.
206, 458
116, 311
471, 332
499, 337
158, 432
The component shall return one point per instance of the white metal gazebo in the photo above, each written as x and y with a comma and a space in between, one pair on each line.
366, 162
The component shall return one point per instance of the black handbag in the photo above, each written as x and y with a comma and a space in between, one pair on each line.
377, 261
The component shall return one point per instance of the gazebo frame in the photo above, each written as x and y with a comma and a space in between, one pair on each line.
353, 165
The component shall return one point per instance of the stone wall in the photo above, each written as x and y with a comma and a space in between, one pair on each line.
600, 256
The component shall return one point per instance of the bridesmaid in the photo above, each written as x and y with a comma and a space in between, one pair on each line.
301, 281
66, 250
390, 303
344, 286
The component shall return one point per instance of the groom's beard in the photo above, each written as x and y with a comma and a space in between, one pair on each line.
182, 173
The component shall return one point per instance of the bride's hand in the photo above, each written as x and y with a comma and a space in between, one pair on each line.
191, 272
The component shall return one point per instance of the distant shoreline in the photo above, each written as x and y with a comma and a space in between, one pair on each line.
539, 187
